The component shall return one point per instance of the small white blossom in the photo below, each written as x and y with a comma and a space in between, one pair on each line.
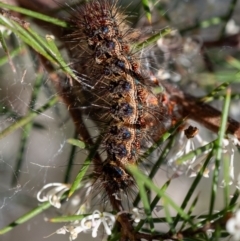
233, 139
233, 226
54, 194
231, 27
62, 230
136, 215
229, 146
192, 166
209, 232
74, 229
183, 146
107, 219
89, 223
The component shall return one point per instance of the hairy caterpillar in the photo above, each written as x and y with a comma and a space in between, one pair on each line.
117, 90
101, 50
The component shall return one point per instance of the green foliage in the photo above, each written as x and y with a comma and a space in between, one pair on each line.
190, 224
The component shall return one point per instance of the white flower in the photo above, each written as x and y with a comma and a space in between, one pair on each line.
234, 140
229, 148
91, 222
191, 167
74, 229
107, 219
233, 226
186, 143
136, 215
53, 195
231, 27
209, 232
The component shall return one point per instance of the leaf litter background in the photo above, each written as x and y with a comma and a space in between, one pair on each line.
46, 151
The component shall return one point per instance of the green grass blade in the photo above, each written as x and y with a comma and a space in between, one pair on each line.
71, 157
162, 157
193, 187
163, 138
76, 142
24, 34
45, 47
85, 166
194, 153
33, 14
153, 205
146, 7
148, 183
191, 209
29, 117
235, 197
145, 202
70, 218
233, 62
226, 179
152, 39
168, 217
26, 217
218, 150
213, 93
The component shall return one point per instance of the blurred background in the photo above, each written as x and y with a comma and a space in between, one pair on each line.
201, 53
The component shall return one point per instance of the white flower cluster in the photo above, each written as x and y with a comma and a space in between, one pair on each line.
192, 166
183, 146
54, 194
90, 223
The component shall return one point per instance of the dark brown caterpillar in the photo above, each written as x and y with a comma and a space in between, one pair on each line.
101, 50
